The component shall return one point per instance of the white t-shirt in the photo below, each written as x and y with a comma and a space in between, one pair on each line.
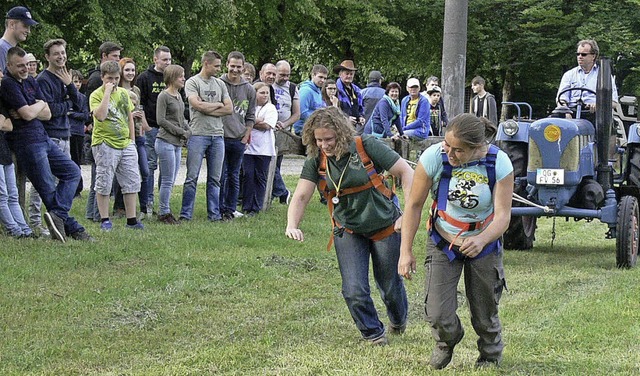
264, 142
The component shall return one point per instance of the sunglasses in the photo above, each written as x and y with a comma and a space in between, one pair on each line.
584, 54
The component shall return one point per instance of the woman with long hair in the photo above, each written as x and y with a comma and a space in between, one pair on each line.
365, 214
260, 149
172, 135
330, 93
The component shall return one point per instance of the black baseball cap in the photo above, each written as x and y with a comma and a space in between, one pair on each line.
21, 13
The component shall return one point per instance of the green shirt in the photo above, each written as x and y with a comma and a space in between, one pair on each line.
114, 130
364, 212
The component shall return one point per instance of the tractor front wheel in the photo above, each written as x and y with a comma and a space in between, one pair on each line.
521, 232
627, 229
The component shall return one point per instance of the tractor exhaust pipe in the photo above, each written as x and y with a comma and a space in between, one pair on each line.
604, 123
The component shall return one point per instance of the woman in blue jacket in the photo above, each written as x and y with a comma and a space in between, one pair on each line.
386, 113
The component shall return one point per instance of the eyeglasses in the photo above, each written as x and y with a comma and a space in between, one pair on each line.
584, 54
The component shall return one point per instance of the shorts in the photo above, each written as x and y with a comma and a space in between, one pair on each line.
121, 163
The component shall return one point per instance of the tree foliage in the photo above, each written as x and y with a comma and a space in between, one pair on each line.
521, 47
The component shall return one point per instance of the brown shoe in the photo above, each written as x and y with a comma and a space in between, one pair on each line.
168, 219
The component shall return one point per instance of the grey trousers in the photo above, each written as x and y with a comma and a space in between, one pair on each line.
484, 281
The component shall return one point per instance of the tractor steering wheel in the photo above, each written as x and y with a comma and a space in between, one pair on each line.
579, 103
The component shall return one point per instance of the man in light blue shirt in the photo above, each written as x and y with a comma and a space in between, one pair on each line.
585, 75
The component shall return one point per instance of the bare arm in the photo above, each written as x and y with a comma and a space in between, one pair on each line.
295, 114
411, 220
502, 194
132, 128
101, 112
206, 108
301, 197
402, 170
38, 110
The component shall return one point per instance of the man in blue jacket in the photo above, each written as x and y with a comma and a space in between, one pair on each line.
415, 112
310, 95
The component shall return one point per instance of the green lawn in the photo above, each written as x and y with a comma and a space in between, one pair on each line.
239, 298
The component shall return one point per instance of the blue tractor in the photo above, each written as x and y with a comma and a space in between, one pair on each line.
563, 168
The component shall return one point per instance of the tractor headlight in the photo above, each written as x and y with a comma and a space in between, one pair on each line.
510, 128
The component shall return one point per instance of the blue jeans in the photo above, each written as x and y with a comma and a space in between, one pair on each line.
254, 183
279, 188
43, 162
198, 148
152, 160
169, 161
92, 212
11, 214
230, 183
353, 252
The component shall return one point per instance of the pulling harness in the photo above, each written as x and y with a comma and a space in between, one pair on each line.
375, 180
439, 207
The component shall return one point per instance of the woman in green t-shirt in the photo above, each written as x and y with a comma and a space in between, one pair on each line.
365, 215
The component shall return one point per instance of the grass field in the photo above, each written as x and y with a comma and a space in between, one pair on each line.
239, 298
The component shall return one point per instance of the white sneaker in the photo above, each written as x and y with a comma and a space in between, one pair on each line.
237, 214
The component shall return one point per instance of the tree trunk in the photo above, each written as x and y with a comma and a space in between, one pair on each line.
507, 93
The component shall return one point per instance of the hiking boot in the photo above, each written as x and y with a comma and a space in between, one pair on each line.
227, 216
381, 341
56, 226
106, 226
83, 236
487, 363
397, 330
137, 226
442, 354
168, 219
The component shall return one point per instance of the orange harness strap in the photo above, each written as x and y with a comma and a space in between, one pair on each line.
375, 181
463, 226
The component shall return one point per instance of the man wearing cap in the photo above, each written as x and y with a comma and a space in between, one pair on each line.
17, 27
350, 95
372, 94
437, 122
415, 114
32, 65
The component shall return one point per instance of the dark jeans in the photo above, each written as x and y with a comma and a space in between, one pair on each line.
42, 162
76, 146
279, 188
254, 181
230, 182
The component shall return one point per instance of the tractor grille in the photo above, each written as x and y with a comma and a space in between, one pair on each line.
569, 157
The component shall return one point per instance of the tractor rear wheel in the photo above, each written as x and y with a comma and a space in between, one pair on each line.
627, 230
521, 232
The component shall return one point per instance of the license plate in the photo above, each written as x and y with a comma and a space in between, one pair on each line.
550, 176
